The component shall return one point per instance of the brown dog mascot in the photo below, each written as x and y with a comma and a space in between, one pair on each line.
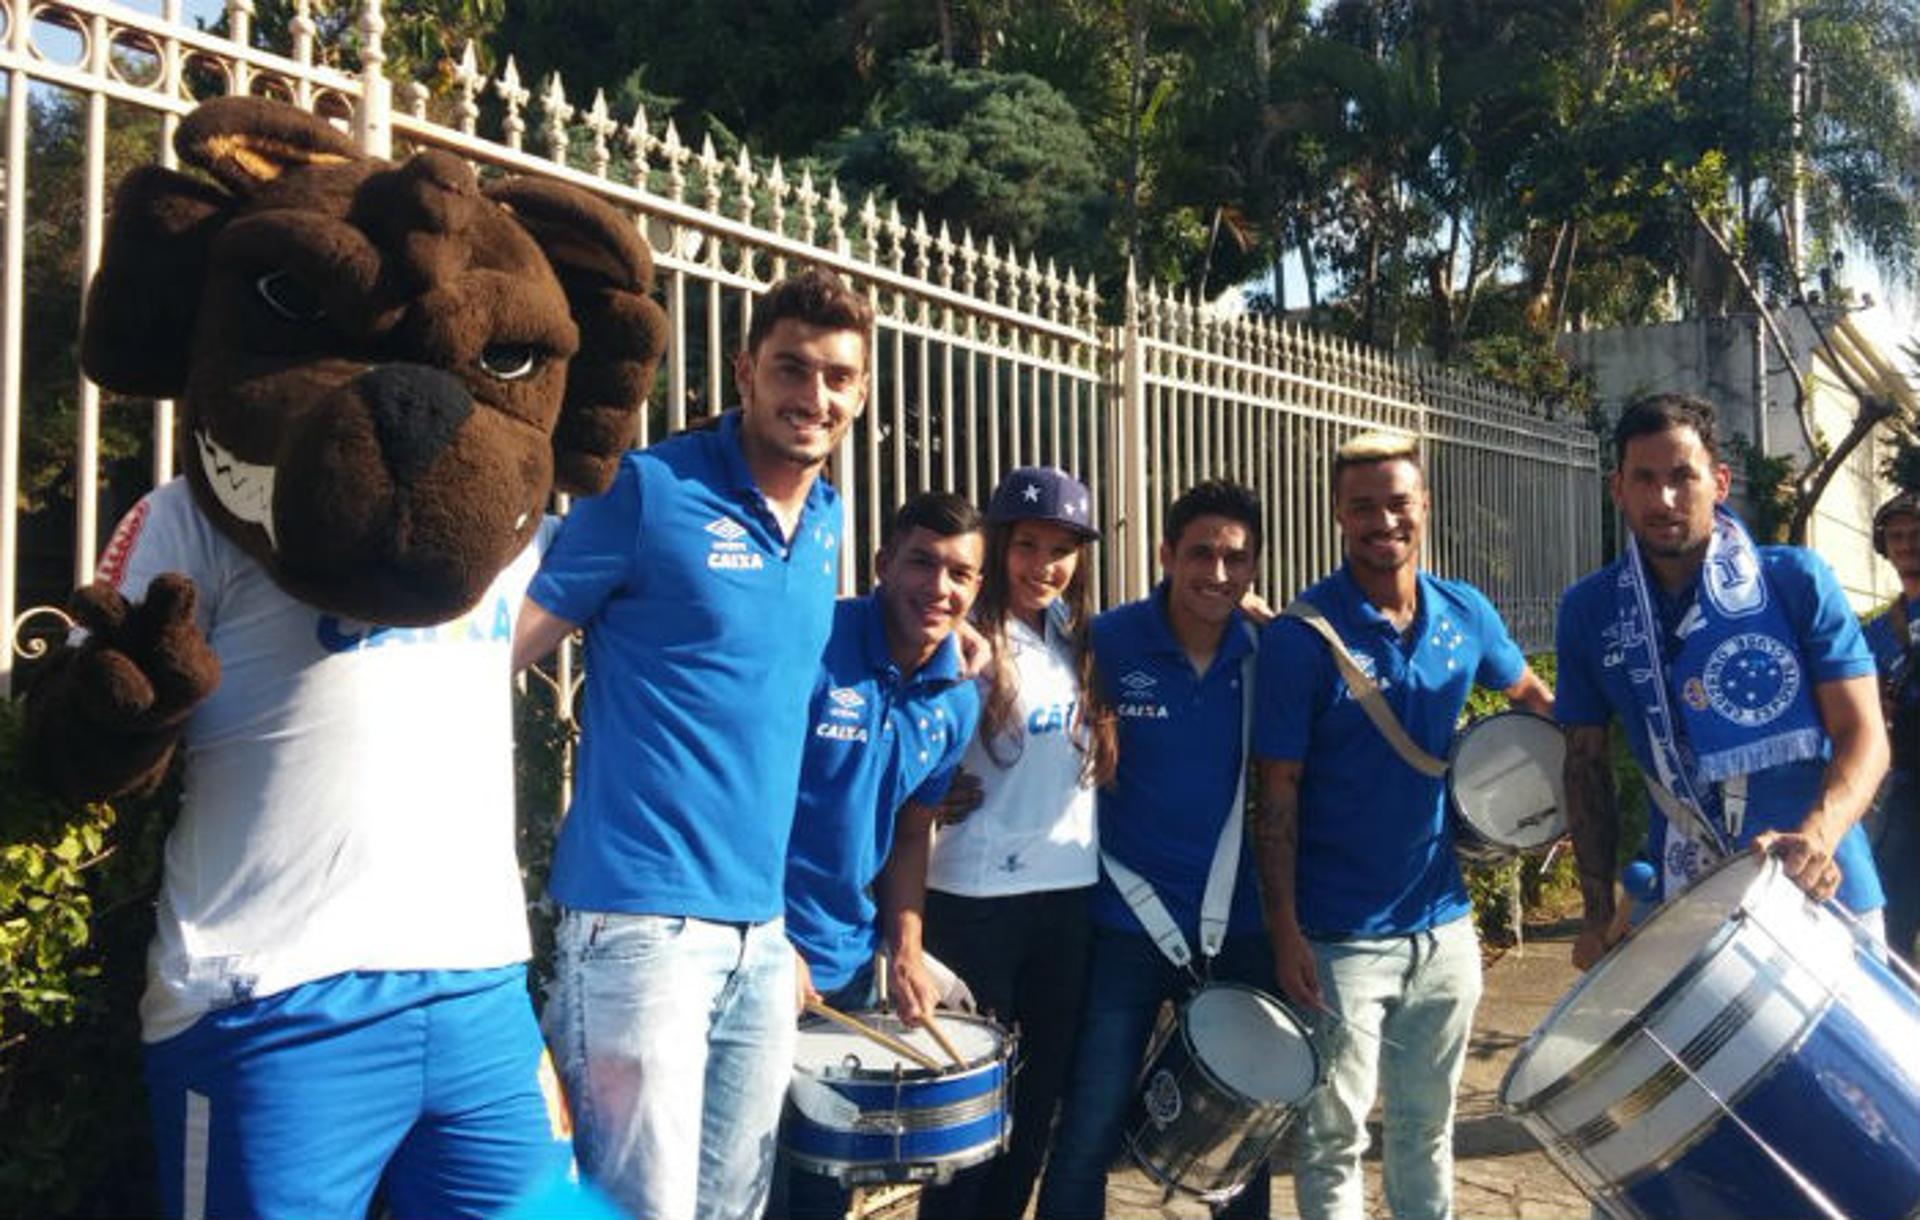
383, 372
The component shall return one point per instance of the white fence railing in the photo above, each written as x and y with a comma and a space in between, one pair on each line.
984, 358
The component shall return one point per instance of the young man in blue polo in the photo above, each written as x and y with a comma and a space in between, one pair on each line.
705, 580
1177, 667
1739, 674
890, 718
1893, 823
1372, 928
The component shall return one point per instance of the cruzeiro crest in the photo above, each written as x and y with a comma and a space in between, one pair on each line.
1162, 1098
1751, 679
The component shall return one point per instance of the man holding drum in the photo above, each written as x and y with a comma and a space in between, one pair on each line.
1372, 928
1176, 665
1739, 673
1893, 824
890, 718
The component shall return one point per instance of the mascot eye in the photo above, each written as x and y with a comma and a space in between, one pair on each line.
509, 361
288, 297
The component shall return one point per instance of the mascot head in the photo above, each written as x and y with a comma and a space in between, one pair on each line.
383, 369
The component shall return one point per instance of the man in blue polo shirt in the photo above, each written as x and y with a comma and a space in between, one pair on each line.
1893, 824
1371, 924
1176, 667
890, 718
705, 579
1739, 673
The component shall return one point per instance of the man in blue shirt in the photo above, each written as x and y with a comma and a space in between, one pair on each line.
705, 580
1738, 672
890, 718
1176, 666
1371, 924
1893, 824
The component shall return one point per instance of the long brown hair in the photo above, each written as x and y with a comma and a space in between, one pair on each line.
1000, 728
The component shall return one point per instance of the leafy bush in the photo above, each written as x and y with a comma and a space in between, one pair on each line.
76, 915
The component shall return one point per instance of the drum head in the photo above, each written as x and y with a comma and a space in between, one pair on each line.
1252, 1044
1506, 780
828, 1049
1625, 982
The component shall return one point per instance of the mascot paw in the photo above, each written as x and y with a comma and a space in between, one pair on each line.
144, 666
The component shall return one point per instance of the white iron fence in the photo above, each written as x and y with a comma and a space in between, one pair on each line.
984, 358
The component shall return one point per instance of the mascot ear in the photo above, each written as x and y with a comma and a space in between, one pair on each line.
140, 308
246, 141
606, 271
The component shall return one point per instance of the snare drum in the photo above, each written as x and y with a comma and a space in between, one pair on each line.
1505, 785
863, 1115
1743, 1053
1221, 1084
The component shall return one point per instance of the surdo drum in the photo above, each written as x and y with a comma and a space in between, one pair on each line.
1505, 786
1222, 1082
864, 1115
1744, 1053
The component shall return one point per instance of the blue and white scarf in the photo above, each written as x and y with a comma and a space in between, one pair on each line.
1736, 698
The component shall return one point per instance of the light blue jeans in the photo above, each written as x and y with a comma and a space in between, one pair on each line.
674, 1038
1406, 1010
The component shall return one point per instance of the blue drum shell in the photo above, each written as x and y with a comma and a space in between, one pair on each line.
915, 1131
1836, 1111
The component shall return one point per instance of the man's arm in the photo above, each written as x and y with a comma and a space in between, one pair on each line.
1850, 714
1594, 823
1531, 693
1276, 837
537, 632
902, 892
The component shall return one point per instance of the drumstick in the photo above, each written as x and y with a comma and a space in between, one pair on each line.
1358, 1029
884, 1039
946, 1043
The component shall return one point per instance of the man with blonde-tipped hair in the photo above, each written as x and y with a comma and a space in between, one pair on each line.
1372, 929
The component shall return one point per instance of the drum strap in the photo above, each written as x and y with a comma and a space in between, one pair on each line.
1371, 701
1216, 903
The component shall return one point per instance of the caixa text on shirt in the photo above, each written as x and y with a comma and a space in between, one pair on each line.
486, 623
1142, 711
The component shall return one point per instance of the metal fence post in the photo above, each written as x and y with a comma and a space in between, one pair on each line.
1131, 472
373, 122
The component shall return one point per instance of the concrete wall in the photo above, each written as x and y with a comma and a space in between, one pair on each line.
1716, 359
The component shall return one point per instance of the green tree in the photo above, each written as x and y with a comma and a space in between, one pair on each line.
1003, 152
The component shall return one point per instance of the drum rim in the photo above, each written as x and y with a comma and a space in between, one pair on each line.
1662, 1000
1300, 1027
1495, 852
966, 1158
1002, 1056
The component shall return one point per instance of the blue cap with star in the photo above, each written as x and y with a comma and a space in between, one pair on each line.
1043, 493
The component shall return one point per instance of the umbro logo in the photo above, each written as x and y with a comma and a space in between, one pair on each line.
1137, 681
726, 529
847, 697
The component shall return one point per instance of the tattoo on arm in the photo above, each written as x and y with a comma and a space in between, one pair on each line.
1592, 818
1276, 839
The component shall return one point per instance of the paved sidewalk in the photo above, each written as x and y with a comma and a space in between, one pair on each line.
1498, 1169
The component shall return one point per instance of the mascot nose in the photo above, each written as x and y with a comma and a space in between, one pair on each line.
416, 410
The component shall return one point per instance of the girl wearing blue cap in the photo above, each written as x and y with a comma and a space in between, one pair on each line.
1008, 883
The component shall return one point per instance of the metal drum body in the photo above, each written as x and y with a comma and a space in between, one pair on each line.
861, 1114
1506, 787
1741, 1054
1221, 1084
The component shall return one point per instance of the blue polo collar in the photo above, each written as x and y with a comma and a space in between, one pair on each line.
733, 465
941, 669
1234, 643
1369, 614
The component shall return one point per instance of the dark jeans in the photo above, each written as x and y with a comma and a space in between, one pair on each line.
798, 1194
1024, 956
1128, 979
1893, 824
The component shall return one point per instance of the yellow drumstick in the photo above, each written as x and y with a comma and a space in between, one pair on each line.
884, 1039
946, 1043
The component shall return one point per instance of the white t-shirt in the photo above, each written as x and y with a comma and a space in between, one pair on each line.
349, 788
1035, 829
